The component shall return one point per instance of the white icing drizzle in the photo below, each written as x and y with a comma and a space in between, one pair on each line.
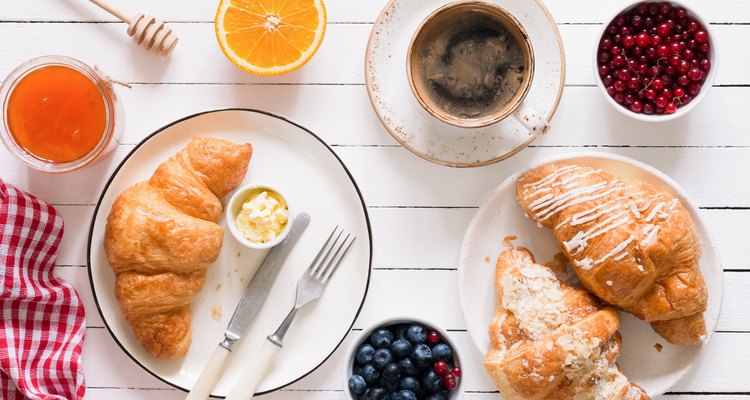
561, 224
654, 211
620, 247
579, 242
590, 214
621, 256
585, 264
551, 177
650, 231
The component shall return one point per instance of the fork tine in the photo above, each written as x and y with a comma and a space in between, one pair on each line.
333, 258
315, 261
338, 262
319, 268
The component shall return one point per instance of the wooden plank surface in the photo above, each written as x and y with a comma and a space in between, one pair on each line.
419, 211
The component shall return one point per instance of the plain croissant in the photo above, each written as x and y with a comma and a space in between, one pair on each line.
631, 245
551, 341
162, 236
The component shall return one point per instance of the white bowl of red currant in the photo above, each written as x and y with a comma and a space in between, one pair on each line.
403, 359
655, 61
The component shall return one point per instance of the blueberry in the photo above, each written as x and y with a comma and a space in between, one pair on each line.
376, 393
382, 358
432, 381
408, 368
390, 385
392, 371
364, 354
438, 396
400, 330
409, 383
357, 384
381, 338
370, 374
422, 356
442, 351
416, 334
405, 395
401, 348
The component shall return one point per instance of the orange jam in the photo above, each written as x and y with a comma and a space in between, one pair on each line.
57, 114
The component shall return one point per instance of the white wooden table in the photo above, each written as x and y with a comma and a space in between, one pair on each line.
419, 211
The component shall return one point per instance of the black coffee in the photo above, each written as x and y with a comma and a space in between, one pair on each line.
470, 64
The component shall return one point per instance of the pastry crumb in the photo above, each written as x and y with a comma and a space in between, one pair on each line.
487, 259
658, 347
236, 270
242, 280
508, 240
238, 254
216, 313
216, 289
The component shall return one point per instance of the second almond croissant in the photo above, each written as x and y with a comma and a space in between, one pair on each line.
550, 341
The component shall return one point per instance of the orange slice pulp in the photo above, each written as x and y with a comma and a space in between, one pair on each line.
270, 37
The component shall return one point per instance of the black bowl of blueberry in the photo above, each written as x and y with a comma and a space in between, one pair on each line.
403, 359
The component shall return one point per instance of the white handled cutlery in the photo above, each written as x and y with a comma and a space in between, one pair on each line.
309, 288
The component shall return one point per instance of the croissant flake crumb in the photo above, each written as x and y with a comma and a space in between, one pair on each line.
238, 254
508, 240
217, 288
487, 259
658, 347
216, 313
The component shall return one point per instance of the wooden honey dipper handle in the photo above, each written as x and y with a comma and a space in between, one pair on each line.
147, 31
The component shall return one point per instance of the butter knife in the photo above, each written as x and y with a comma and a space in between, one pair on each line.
252, 299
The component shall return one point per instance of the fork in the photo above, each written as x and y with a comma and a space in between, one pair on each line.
309, 288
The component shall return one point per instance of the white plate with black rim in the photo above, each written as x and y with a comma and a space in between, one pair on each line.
314, 180
646, 358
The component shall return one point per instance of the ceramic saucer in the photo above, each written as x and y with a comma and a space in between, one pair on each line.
436, 141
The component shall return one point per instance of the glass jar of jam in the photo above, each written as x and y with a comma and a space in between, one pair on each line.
58, 114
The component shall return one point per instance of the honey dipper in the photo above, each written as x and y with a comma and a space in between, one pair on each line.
147, 31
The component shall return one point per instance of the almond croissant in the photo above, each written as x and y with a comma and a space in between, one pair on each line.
162, 236
550, 341
631, 245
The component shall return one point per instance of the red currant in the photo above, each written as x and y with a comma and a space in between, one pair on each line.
662, 50
701, 36
441, 367
679, 92
660, 101
663, 29
457, 371
695, 74
642, 40
433, 338
450, 381
628, 41
671, 108
637, 106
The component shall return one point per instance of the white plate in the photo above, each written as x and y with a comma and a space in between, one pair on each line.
424, 135
314, 180
501, 216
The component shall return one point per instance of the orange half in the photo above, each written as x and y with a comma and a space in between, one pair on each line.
270, 37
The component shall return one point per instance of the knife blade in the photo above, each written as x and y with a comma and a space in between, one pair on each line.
257, 290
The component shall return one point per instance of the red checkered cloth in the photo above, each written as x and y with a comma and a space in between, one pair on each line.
43, 323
